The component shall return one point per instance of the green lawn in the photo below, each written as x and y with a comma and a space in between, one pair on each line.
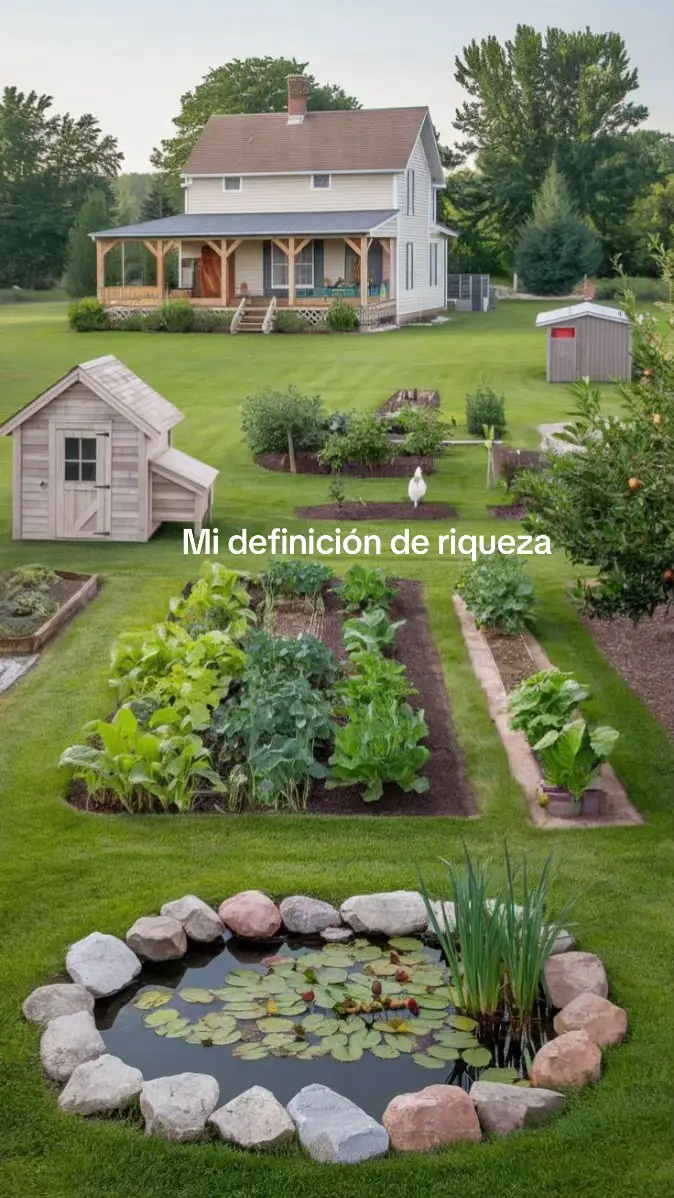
65, 873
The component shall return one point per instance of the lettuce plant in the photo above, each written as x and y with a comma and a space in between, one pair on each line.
379, 744
365, 587
545, 701
572, 756
372, 632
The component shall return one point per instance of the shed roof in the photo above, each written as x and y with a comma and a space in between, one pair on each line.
117, 386
180, 467
254, 224
599, 311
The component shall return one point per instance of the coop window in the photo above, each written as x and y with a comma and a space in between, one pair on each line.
232, 182
563, 334
80, 460
320, 182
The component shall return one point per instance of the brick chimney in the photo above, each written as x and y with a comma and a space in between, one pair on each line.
298, 90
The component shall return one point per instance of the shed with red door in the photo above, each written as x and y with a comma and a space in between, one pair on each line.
587, 341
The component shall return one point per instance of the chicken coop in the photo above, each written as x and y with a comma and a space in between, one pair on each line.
587, 341
471, 293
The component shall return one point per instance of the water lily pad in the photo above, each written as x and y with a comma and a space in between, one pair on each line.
158, 1018
315, 1024
240, 1013
366, 952
337, 960
220, 1020
462, 1023
313, 1052
173, 1032
322, 998
194, 994
149, 999
456, 1040
385, 1052
478, 1057
278, 1039
382, 969
505, 1076
426, 1061
432, 1002
401, 1043
429, 977
354, 1023
406, 943
297, 1048
369, 1038
275, 984
248, 1052
221, 1036
347, 1052
443, 1053
338, 1040
327, 976
275, 1024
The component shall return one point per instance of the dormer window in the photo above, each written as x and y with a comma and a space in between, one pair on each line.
320, 182
232, 183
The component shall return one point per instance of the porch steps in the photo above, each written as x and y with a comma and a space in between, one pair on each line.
252, 320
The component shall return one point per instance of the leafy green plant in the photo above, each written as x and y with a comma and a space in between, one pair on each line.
337, 492
373, 676
24, 599
290, 657
545, 701
176, 316
365, 587
364, 443
371, 631
211, 320
87, 316
485, 407
341, 317
300, 578
193, 686
122, 767
219, 599
380, 744
138, 659
498, 593
288, 321
184, 765
283, 422
572, 756
424, 432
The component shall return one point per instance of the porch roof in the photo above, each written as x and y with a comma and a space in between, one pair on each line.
253, 224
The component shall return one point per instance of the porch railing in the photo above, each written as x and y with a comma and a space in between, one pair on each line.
132, 296
238, 315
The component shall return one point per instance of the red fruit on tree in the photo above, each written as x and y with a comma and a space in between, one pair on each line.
633, 484
668, 577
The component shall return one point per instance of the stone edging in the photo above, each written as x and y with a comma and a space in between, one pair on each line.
328, 1126
523, 765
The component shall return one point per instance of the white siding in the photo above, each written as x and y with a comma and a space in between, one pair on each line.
417, 229
172, 503
334, 259
290, 193
248, 267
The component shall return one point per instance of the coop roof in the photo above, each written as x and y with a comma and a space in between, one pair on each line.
117, 386
187, 471
599, 311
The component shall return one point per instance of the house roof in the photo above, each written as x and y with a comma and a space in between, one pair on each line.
351, 139
559, 315
254, 224
180, 467
117, 386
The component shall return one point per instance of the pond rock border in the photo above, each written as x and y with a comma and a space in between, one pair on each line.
328, 1126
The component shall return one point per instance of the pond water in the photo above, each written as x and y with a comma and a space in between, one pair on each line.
371, 1019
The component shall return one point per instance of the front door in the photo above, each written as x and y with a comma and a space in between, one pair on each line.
210, 269
83, 494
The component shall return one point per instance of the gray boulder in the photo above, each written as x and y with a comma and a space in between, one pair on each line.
69, 1041
157, 938
101, 1086
337, 935
564, 943
503, 1109
177, 1107
102, 964
569, 974
255, 1119
393, 913
63, 998
200, 921
442, 911
307, 916
331, 1128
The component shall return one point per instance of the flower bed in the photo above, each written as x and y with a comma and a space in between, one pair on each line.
35, 603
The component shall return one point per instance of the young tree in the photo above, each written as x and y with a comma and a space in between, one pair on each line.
609, 503
94, 215
557, 247
242, 85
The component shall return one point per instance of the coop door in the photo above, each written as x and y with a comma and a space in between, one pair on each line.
83, 509
563, 354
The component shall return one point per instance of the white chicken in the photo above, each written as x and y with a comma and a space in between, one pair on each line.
417, 487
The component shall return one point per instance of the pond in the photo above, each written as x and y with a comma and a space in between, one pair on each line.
370, 1019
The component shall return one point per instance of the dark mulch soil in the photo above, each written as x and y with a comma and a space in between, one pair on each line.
644, 657
378, 511
512, 511
512, 658
402, 466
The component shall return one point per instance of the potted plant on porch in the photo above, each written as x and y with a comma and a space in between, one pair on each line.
571, 758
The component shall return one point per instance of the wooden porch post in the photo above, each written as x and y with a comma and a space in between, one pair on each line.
224, 272
364, 247
291, 272
160, 270
100, 270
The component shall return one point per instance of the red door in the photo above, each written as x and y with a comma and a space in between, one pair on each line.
209, 273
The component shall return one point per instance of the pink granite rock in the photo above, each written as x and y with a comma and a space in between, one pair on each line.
251, 914
602, 1020
430, 1118
571, 1060
569, 974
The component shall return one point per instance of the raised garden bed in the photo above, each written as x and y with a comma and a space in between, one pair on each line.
500, 663
508, 511
378, 511
643, 655
402, 466
70, 592
411, 398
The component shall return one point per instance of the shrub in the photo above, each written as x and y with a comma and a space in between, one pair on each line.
485, 408
424, 432
134, 322
175, 316
291, 657
87, 316
365, 442
288, 321
211, 320
342, 318
556, 247
498, 593
645, 290
283, 422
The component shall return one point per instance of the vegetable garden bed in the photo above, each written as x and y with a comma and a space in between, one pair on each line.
63, 597
378, 511
402, 466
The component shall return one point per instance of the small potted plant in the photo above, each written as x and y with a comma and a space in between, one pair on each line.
571, 758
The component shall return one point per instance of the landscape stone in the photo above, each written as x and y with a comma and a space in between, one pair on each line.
568, 1061
440, 910
69, 1041
101, 1086
393, 913
157, 938
177, 1107
102, 963
564, 943
200, 921
307, 916
503, 1109
602, 1020
251, 914
331, 1128
430, 1118
569, 974
62, 998
255, 1119
337, 935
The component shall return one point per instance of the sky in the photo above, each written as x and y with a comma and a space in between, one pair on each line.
129, 62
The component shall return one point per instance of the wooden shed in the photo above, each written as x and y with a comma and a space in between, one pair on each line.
93, 461
587, 341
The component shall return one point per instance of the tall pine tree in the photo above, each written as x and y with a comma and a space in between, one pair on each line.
557, 248
94, 215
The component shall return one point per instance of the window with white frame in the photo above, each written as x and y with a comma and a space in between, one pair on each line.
304, 267
321, 182
409, 266
232, 183
409, 184
433, 267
